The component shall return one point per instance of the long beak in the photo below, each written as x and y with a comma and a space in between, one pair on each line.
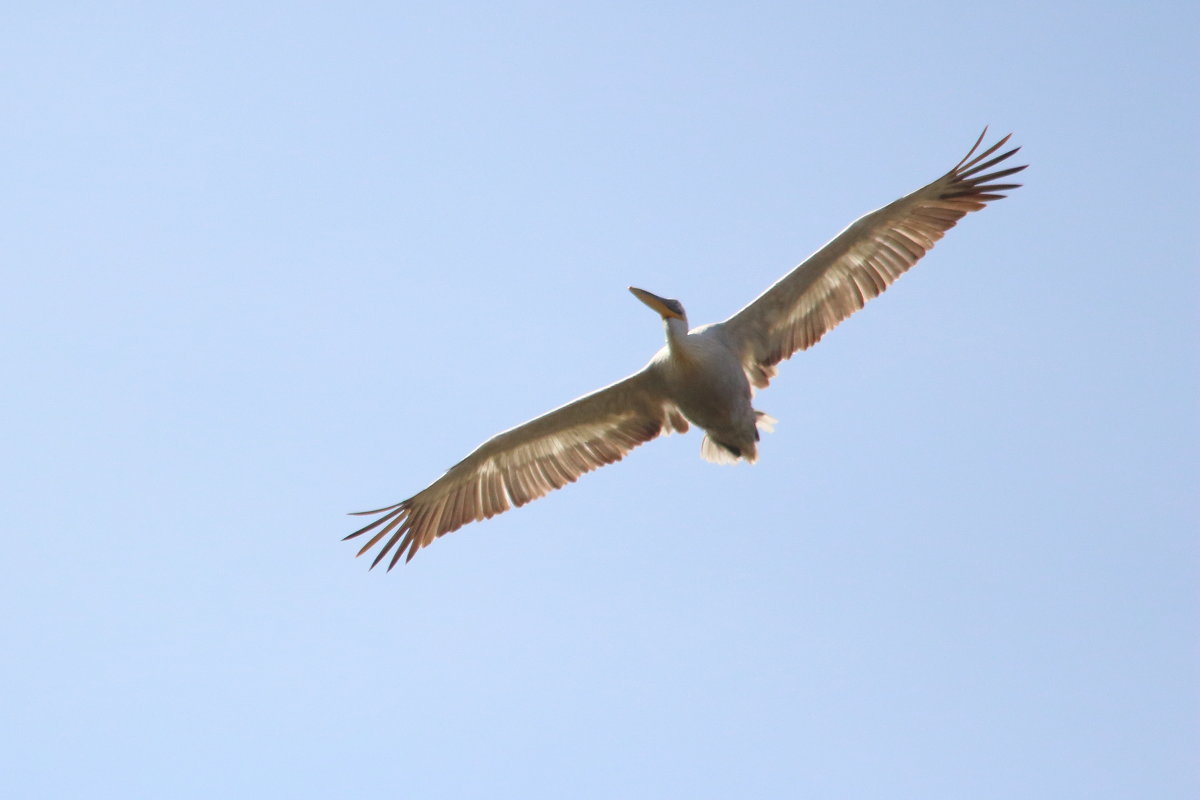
655, 302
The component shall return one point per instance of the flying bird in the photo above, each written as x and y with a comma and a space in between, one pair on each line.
703, 376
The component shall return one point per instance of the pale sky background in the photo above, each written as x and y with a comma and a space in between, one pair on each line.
268, 263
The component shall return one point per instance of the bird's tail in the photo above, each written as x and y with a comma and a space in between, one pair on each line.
715, 452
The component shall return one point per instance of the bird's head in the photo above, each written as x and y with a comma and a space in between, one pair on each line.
667, 309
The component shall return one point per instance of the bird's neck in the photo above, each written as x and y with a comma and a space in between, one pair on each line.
677, 331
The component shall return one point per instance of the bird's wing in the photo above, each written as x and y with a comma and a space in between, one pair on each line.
528, 461
860, 263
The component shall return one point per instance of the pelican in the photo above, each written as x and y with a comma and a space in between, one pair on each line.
704, 376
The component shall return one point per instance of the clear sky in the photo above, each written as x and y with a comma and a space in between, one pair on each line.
267, 263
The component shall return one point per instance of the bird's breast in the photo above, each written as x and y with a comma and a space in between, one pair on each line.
706, 380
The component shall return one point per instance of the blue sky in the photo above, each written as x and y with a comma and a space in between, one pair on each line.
268, 263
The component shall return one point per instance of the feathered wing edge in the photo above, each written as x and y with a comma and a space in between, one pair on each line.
861, 262
526, 462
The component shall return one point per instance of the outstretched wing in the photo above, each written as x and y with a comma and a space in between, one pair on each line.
527, 462
860, 263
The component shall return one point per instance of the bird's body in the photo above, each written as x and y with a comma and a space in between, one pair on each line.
702, 377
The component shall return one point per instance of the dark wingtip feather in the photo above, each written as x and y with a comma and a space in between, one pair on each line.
972, 163
1000, 173
369, 526
383, 551
376, 511
975, 168
966, 184
974, 147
